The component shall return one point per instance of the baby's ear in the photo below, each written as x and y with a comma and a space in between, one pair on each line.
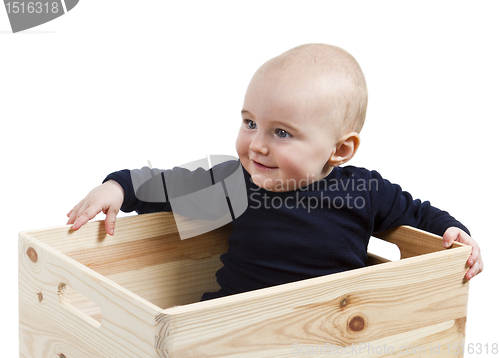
346, 147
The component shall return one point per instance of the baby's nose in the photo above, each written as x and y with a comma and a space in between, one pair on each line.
258, 145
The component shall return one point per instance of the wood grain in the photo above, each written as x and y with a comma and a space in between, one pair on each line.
135, 294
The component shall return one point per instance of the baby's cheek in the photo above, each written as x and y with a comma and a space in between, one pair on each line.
293, 167
241, 149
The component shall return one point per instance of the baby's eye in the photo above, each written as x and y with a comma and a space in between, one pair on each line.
282, 133
251, 124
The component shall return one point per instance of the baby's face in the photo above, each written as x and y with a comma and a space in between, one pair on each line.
285, 139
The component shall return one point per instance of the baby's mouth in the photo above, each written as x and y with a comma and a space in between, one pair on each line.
263, 167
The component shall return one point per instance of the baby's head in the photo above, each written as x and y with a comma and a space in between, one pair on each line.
302, 114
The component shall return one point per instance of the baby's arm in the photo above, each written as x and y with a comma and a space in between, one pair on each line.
475, 261
115, 194
394, 207
107, 197
118, 193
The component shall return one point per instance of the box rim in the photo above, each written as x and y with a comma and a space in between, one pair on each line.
243, 296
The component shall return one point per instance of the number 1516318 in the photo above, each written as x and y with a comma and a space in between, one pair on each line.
39, 7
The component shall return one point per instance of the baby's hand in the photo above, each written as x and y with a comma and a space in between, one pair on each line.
107, 198
475, 261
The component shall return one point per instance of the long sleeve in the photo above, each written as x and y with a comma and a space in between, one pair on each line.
131, 202
391, 207
199, 193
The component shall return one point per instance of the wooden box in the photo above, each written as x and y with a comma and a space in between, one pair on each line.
85, 294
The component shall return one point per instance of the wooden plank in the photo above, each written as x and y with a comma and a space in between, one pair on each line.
413, 242
92, 236
352, 307
128, 321
175, 283
161, 269
147, 251
441, 340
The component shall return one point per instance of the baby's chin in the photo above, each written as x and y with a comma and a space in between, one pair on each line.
261, 182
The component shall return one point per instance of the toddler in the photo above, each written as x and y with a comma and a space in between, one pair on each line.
307, 214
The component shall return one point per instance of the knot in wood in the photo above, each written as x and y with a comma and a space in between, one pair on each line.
343, 302
40, 296
356, 324
31, 252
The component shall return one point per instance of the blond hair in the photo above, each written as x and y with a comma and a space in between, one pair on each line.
348, 97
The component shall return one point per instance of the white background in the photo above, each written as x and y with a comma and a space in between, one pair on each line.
114, 83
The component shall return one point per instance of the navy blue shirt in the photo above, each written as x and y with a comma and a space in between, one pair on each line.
319, 229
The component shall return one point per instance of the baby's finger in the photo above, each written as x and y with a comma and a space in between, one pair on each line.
474, 256
88, 214
473, 271
109, 222
73, 212
450, 235
72, 216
